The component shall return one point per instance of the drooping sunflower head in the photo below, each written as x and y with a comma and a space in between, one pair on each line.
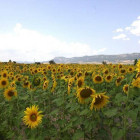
45, 85
99, 100
36, 81
125, 88
85, 93
4, 83
120, 66
32, 117
119, 80
10, 92
98, 79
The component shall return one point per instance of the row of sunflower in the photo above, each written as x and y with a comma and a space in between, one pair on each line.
70, 101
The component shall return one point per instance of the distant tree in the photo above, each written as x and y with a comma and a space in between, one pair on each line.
37, 63
14, 62
52, 62
10, 61
135, 61
104, 63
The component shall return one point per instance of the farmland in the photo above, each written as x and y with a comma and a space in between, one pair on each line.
69, 101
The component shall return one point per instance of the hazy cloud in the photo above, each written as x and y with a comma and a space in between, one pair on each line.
121, 36
102, 50
126, 38
119, 30
26, 45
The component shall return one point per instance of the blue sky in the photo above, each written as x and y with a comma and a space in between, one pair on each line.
44, 29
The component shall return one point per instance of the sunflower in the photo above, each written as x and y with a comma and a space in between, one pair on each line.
136, 82
84, 93
36, 81
119, 66
130, 69
26, 84
48, 67
99, 100
118, 81
98, 79
32, 117
125, 88
4, 74
123, 71
45, 85
80, 82
10, 92
4, 83
109, 78
106, 72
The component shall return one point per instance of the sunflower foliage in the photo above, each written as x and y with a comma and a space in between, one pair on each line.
69, 101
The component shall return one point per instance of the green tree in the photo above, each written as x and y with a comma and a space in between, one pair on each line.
52, 62
135, 61
104, 63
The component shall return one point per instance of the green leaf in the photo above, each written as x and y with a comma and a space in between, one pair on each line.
111, 112
24, 98
84, 112
54, 112
117, 134
79, 134
133, 114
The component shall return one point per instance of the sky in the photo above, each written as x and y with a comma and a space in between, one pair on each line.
40, 30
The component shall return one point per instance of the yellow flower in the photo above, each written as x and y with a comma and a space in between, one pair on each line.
136, 82
109, 78
99, 100
4, 74
80, 82
125, 88
32, 117
84, 93
4, 83
10, 92
98, 79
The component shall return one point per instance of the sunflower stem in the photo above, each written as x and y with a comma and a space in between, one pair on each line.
18, 113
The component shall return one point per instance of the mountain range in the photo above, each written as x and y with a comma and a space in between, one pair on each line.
121, 58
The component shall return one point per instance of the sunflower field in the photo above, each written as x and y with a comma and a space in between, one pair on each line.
69, 101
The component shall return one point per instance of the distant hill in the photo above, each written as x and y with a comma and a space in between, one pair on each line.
121, 58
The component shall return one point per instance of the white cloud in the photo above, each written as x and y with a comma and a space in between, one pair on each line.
139, 41
102, 50
119, 30
25, 45
127, 28
135, 30
121, 36
126, 38
138, 17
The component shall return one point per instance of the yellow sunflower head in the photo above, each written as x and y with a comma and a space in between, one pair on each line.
123, 71
125, 88
32, 117
4, 83
99, 100
80, 82
10, 92
84, 93
109, 78
4, 74
98, 79
26, 84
